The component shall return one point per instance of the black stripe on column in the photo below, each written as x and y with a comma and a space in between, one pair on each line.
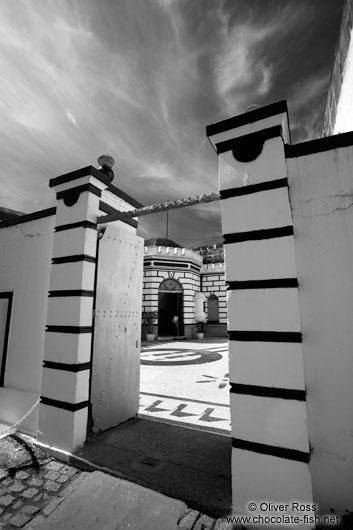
72, 259
80, 224
266, 391
73, 407
78, 190
79, 173
280, 283
254, 137
106, 208
254, 188
73, 292
79, 367
254, 235
248, 117
9, 297
272, 450
69, 329
266, 336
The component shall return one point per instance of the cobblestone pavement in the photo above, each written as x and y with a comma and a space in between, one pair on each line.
28, 495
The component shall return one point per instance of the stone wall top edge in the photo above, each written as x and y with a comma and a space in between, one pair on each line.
41, 214
319, 145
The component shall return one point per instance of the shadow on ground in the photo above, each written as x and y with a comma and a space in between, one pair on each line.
191, 465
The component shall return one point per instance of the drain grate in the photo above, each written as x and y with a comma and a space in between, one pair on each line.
148, 461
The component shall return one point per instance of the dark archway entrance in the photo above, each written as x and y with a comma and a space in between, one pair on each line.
170, 304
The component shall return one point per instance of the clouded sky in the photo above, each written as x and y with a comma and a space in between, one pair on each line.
140, 80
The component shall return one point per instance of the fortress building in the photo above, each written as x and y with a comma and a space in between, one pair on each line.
182, 282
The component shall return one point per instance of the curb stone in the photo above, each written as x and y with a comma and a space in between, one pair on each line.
56, 501
193, 520
204, 522
188, 519
74, 483
222, 524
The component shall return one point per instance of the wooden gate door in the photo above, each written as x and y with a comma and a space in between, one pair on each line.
117, 329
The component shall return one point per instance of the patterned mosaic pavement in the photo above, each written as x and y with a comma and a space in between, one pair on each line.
186, 382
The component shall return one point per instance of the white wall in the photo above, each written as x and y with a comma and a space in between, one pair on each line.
321, 193
24, 269
344, 112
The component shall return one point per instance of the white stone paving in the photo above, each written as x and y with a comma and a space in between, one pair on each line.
186, 382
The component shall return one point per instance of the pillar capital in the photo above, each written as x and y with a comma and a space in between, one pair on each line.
250, 148
78, 194
69, 187
72, 179
269, 121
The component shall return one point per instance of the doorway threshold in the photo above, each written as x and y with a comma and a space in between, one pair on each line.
181, 462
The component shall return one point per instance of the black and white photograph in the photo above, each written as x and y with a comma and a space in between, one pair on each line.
176, 250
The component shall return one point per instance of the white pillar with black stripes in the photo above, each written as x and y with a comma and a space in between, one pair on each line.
270, 441
67, 353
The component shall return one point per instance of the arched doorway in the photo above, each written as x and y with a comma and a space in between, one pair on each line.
170, 304
213, 308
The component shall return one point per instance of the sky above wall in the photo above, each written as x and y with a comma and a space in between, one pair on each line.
140, 80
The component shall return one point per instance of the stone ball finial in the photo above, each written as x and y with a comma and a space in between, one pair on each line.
106, 162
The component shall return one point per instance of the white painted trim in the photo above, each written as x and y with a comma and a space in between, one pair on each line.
261, 260
62, 428
69, 348
75, 241
256, 211
66, 386
71, 276
277, 364
271, 421
70, 311
264, 310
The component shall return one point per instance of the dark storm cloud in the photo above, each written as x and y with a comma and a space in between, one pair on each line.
140, 79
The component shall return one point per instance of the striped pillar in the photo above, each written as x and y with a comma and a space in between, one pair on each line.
64, 400
271, 451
